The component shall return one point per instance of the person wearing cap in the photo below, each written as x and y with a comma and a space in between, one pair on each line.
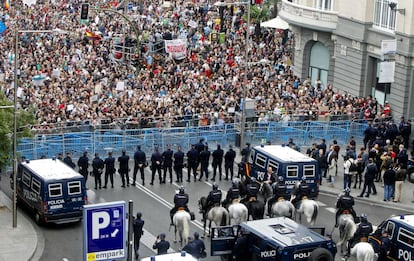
229, 163
156, 163
362, 232
245, 153
97, 169
124, 168
68, 160
140, 161
83, 164
138, 232
161, 245
109, 163
179, 164
214, 197
167, 159
217, 162
195, 247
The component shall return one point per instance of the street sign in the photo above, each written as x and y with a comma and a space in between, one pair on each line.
104, 231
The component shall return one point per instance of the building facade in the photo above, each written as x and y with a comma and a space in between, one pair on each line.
363, 47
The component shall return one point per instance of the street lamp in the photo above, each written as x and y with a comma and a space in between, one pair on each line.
243, 113
16, 58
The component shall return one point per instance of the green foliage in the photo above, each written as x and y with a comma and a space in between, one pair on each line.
24, 119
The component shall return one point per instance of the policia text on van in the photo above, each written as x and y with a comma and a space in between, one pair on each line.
52, 190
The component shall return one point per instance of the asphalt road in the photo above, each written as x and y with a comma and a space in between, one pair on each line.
65, 242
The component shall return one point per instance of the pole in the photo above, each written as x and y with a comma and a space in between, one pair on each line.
15, 131
243, 115
130, 229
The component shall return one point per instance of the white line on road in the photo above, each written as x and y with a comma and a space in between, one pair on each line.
332, 210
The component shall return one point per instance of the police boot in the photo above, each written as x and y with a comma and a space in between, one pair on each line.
172, 223
192, 215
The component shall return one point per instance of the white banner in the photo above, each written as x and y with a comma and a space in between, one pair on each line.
387, 70
388, 47
177, 47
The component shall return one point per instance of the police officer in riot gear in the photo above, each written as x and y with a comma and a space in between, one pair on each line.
214, 197
363, 230
252, 189
345, 202
180, 201
279, 192
232, 193
301, 192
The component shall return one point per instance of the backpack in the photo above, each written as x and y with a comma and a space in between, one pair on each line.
353, 167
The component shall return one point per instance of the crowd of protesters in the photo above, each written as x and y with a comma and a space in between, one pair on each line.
75, 78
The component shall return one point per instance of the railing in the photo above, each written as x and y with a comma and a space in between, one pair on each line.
304, 133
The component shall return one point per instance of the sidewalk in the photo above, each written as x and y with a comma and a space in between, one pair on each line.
17, 243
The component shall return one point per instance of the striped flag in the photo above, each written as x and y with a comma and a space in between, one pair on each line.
7, 4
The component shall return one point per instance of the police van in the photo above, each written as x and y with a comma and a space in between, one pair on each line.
183, 256
401, 233
286, 162
54, 191
274, 239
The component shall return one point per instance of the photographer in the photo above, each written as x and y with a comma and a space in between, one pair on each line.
161, 244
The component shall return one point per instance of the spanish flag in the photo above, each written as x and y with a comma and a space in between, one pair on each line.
92, 36
7, 4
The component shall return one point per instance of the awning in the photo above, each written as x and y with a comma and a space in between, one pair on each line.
276, 23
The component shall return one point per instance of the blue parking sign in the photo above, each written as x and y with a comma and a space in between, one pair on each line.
104, 231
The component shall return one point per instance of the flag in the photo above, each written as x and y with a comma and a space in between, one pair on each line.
3, 27
7, 4
92, 36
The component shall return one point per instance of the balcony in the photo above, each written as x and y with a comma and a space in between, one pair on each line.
308, 17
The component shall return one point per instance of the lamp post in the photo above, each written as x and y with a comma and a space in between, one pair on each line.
246, 80
16, 63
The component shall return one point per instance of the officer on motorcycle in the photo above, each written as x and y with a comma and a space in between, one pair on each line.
345, 203
363, 230
180, 201
301, 192
279, 192
252, 189
232, 193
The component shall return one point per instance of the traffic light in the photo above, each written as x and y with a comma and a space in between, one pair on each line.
84, 11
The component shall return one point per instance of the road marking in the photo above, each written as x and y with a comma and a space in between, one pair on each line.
321, 204
332, 210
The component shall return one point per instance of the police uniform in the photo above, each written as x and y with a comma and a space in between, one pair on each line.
180, 201
214, 197
363, 230
97, 166
301, 192
192, 162
217, 162
232, 193
138, 232
124, 168
179, 164
204, 159
140, 160
109, 170
156, 160
167, 161
229, 163
252, 190
83, 164
279, 191
345, 202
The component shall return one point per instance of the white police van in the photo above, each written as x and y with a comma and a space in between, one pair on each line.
401, 233
54, 191
288, 163
275, 239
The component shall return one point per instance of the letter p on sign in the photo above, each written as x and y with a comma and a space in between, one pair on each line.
100, 220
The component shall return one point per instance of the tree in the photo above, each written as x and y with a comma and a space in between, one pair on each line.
24, 119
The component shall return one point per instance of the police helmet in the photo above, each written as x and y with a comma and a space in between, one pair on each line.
253, 179
235, 182
181, 191
347, 191
280, 179
364, 217
303, 182
215, 186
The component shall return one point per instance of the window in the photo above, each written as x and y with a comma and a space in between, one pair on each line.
274, 165
55, 190
36, 186
26, 179
74, 188
325, 5
292, 171
260, 160
390, 228
406, 237
309, 170
384, 17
